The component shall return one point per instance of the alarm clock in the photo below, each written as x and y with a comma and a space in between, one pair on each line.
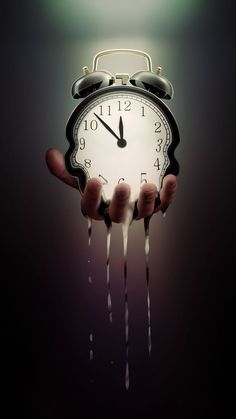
121, 130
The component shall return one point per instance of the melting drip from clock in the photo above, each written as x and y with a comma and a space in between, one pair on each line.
89, 245
125, 232
91, 355
109, 304
147, 249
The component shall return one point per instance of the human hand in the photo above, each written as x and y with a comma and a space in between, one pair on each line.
148, 203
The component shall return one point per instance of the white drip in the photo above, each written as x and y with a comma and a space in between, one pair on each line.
125, 231
147, 246
91, 355
147, 249
109, 303
125, 228
127, 375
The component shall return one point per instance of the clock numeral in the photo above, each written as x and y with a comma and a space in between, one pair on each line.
127, 105
104, 180
159, 143
143, 178
122, 179
82, 143
101, 110
87, 163
158, 126
92, 125
157, 164
142, 114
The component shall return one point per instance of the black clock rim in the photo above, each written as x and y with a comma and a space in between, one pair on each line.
173, 168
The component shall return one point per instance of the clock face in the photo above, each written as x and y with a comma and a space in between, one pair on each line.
120, 135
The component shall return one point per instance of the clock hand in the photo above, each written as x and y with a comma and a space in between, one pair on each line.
121, 142
107, 127
121, 128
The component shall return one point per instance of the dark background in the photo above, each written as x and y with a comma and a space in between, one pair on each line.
50, 306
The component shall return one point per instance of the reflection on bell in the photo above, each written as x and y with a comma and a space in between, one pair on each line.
90, 82
154, 83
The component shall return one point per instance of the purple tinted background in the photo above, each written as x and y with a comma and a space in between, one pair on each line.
51, 308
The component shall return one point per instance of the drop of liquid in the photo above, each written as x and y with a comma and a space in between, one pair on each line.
109, 228
125, 231
91, 355
127, 376
147, 249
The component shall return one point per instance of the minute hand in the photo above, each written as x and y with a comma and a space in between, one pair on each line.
121, 141
107, 127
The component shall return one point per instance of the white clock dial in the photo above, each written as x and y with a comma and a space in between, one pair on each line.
122, 137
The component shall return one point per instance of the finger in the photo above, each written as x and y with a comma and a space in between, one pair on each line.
91, 199
167, 192
119, 204
56, 164
146, 201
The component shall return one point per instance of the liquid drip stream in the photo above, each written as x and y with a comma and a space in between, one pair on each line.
89, 244
147, 248
125, 231
91, 355
109, 303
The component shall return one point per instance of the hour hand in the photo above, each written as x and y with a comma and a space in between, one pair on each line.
120, 141
121, 128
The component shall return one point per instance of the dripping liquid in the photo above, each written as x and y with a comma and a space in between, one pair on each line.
125, 231
89, 244
109, 303
91, 355
147, 248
